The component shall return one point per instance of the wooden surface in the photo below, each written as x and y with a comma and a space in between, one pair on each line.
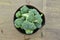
52, 14
51, 30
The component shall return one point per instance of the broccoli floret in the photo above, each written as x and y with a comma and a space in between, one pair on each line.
18, 22
38, 19
24, 9
18, 14
38, 25
30, 18
29, 31
28, 26
34, 11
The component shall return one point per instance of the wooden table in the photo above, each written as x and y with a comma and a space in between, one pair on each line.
51, 30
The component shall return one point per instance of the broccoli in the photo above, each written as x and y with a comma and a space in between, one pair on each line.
29, 16
28, 19
38, 18
28, 27
18, 14
25, 15
18, 22
29, 31
34, 11
24, 9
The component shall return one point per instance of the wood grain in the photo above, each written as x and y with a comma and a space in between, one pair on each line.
51, 10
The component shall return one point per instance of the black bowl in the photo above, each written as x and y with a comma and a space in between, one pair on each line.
31, 7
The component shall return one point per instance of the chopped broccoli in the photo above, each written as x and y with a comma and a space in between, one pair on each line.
29, 16
18, 22
34, 11
38, 19
28, 19
38, 25
25, 15
27, 26
18, 14
24, 9
29, 31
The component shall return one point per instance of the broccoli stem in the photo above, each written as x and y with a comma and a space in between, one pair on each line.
41, 15
28, 31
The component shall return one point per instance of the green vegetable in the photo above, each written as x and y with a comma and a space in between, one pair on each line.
29, 31
38, 25
18, 22
34, 11
28, 19
29, 16
25, 15
18, 14
38, 19
24, 9
28, 26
